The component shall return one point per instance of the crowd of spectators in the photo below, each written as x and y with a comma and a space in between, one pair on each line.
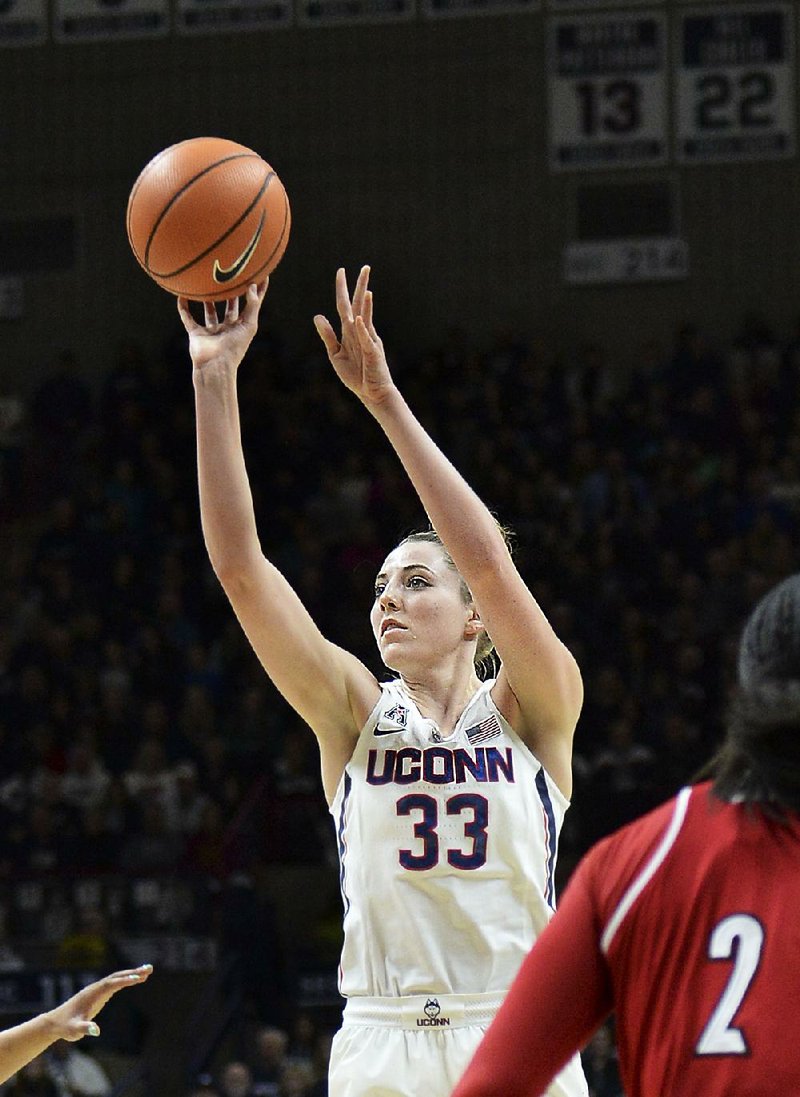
651, 506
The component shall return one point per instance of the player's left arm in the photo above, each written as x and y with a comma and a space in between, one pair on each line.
539, 688
72, 1020
560, 996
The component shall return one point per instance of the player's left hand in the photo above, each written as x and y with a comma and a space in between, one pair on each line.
223, 340
358, 357
73, 1019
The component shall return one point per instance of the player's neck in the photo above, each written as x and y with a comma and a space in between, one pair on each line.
442, 698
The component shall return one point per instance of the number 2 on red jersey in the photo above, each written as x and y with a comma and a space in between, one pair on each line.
738, 937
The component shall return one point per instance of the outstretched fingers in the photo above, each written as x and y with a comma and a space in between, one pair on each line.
366, 340
361, 291
232, 310
119, 979
327, 335
185, 314
97, 994
367, 315
254, 299
343, 305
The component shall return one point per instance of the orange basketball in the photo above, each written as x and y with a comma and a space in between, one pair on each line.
207, 217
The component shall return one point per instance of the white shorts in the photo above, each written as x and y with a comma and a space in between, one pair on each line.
419, 1047
407, 1047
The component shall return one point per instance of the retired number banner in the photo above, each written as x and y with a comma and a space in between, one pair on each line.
218, 16
607, 82
593, 5
446, 9
82, 20
735, 83
22, 22
318, 13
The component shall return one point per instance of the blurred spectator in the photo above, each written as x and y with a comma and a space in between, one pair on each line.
149, 779
10, 959
89, 945
32, 1081
269, 1060
600, 1064
303, 1035
297, 1079
298, 825
45, 847
151, 847
85, 781
623, 775
189, 806
74, 1072
235, 1080
322, 1056
12, 431
205, 849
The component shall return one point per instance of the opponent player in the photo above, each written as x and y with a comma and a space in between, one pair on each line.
72, 1020
683, 922
447, 792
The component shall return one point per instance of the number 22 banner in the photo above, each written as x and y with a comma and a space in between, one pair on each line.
607, 83
734, 84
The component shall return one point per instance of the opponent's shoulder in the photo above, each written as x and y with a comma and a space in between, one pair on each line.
616, 862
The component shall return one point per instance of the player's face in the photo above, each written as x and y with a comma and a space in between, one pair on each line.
419, 614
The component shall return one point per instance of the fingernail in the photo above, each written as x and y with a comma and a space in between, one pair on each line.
93, 1029
134, 977
145, 967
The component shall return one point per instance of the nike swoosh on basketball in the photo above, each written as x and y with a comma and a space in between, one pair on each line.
227, 274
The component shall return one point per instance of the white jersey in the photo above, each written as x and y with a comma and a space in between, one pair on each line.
447, 850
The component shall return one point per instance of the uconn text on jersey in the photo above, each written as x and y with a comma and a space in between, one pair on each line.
440, 766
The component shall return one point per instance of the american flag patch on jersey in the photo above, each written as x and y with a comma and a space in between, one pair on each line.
486, 729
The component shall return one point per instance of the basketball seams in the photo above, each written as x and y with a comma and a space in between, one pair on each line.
143, 175
234, 290
179, 193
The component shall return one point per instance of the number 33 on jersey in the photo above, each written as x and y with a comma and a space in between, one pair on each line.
456, 822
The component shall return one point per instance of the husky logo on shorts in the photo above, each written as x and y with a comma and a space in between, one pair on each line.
432, 1009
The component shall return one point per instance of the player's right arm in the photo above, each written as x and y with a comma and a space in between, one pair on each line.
329, 688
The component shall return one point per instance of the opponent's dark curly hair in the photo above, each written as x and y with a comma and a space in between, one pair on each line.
759, 760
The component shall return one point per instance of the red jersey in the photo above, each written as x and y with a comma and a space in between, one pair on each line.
687, 924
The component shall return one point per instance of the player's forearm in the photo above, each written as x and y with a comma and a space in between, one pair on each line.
459, 516
226, 502
20, 1044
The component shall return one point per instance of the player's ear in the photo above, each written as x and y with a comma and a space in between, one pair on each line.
474, 626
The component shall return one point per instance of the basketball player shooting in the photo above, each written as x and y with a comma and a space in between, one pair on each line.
447, 791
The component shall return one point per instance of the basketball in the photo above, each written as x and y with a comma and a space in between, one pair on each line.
207, 217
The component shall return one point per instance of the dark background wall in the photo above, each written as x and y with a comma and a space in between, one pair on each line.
420, 148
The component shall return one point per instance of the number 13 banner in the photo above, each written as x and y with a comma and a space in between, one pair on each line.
734, 84
607, 81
